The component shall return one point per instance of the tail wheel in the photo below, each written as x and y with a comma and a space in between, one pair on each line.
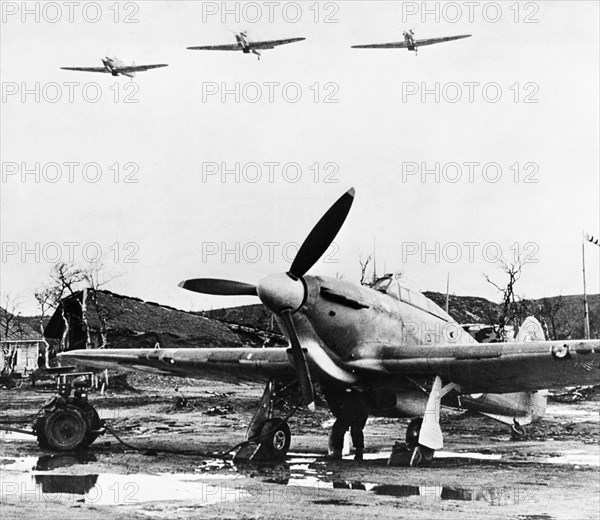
65, 429
517, 431
276, 436
412, 433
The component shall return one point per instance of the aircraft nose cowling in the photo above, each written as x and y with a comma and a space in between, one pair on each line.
280, 292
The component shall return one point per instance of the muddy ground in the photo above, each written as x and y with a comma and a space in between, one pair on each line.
480, 473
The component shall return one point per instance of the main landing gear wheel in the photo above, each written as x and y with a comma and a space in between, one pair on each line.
420, 453
276, 437
412, 433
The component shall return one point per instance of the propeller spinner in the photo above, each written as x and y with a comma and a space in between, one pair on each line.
284, 293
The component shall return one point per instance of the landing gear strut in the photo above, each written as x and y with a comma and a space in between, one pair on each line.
68, 423
424, 436
267, 437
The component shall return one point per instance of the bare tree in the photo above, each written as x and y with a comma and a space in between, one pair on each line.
11, 325
549, 309
364, 265
65, 279
96, 277
11, 328
510, 310
46, 299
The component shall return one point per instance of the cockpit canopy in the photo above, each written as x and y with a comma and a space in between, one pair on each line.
392, 287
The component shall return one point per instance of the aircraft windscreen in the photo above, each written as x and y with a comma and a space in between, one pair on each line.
382, 285
394, 289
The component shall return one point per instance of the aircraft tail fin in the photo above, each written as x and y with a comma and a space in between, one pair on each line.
530, 330
525, 407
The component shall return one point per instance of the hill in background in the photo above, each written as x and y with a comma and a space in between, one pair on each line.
563, 314
254, 324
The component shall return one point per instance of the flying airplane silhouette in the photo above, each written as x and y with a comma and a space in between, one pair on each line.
410, 43
244, 44
116, 67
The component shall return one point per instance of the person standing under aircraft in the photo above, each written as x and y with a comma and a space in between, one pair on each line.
350, 410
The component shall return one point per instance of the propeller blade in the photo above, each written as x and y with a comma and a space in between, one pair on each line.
300, 361
219, 287
322, 235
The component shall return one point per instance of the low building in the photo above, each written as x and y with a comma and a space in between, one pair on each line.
20, 346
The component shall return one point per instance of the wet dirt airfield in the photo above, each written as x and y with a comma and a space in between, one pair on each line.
552, 474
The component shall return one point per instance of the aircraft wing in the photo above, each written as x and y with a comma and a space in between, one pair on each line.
218, 364
87, 69
393, 45
476, 367
271, 44
489, 367
139, 68
431, 41
225, 47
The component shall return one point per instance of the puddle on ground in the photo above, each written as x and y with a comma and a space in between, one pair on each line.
31, 478
7, 436
214, 481
577, 457
573, 414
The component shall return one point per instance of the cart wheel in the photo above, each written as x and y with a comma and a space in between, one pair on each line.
66, 429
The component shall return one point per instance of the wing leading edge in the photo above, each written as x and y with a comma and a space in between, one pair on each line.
140, 68
87, 69
417, 43
431, 41
226, 47
219, 364
271, 44
392, 45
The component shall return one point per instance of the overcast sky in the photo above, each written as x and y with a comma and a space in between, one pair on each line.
520, 98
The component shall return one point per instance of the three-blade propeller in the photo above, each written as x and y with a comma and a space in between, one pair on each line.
285, 294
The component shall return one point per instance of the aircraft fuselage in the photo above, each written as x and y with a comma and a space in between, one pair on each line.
410, 42
113, 65
345, 316
351, 322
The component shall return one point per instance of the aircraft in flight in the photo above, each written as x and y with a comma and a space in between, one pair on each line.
403, 352
116, 67
244, 44
410, 43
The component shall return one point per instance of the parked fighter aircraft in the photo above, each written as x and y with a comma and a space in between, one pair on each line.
246, 45
116, 67
409, 42
405, 354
